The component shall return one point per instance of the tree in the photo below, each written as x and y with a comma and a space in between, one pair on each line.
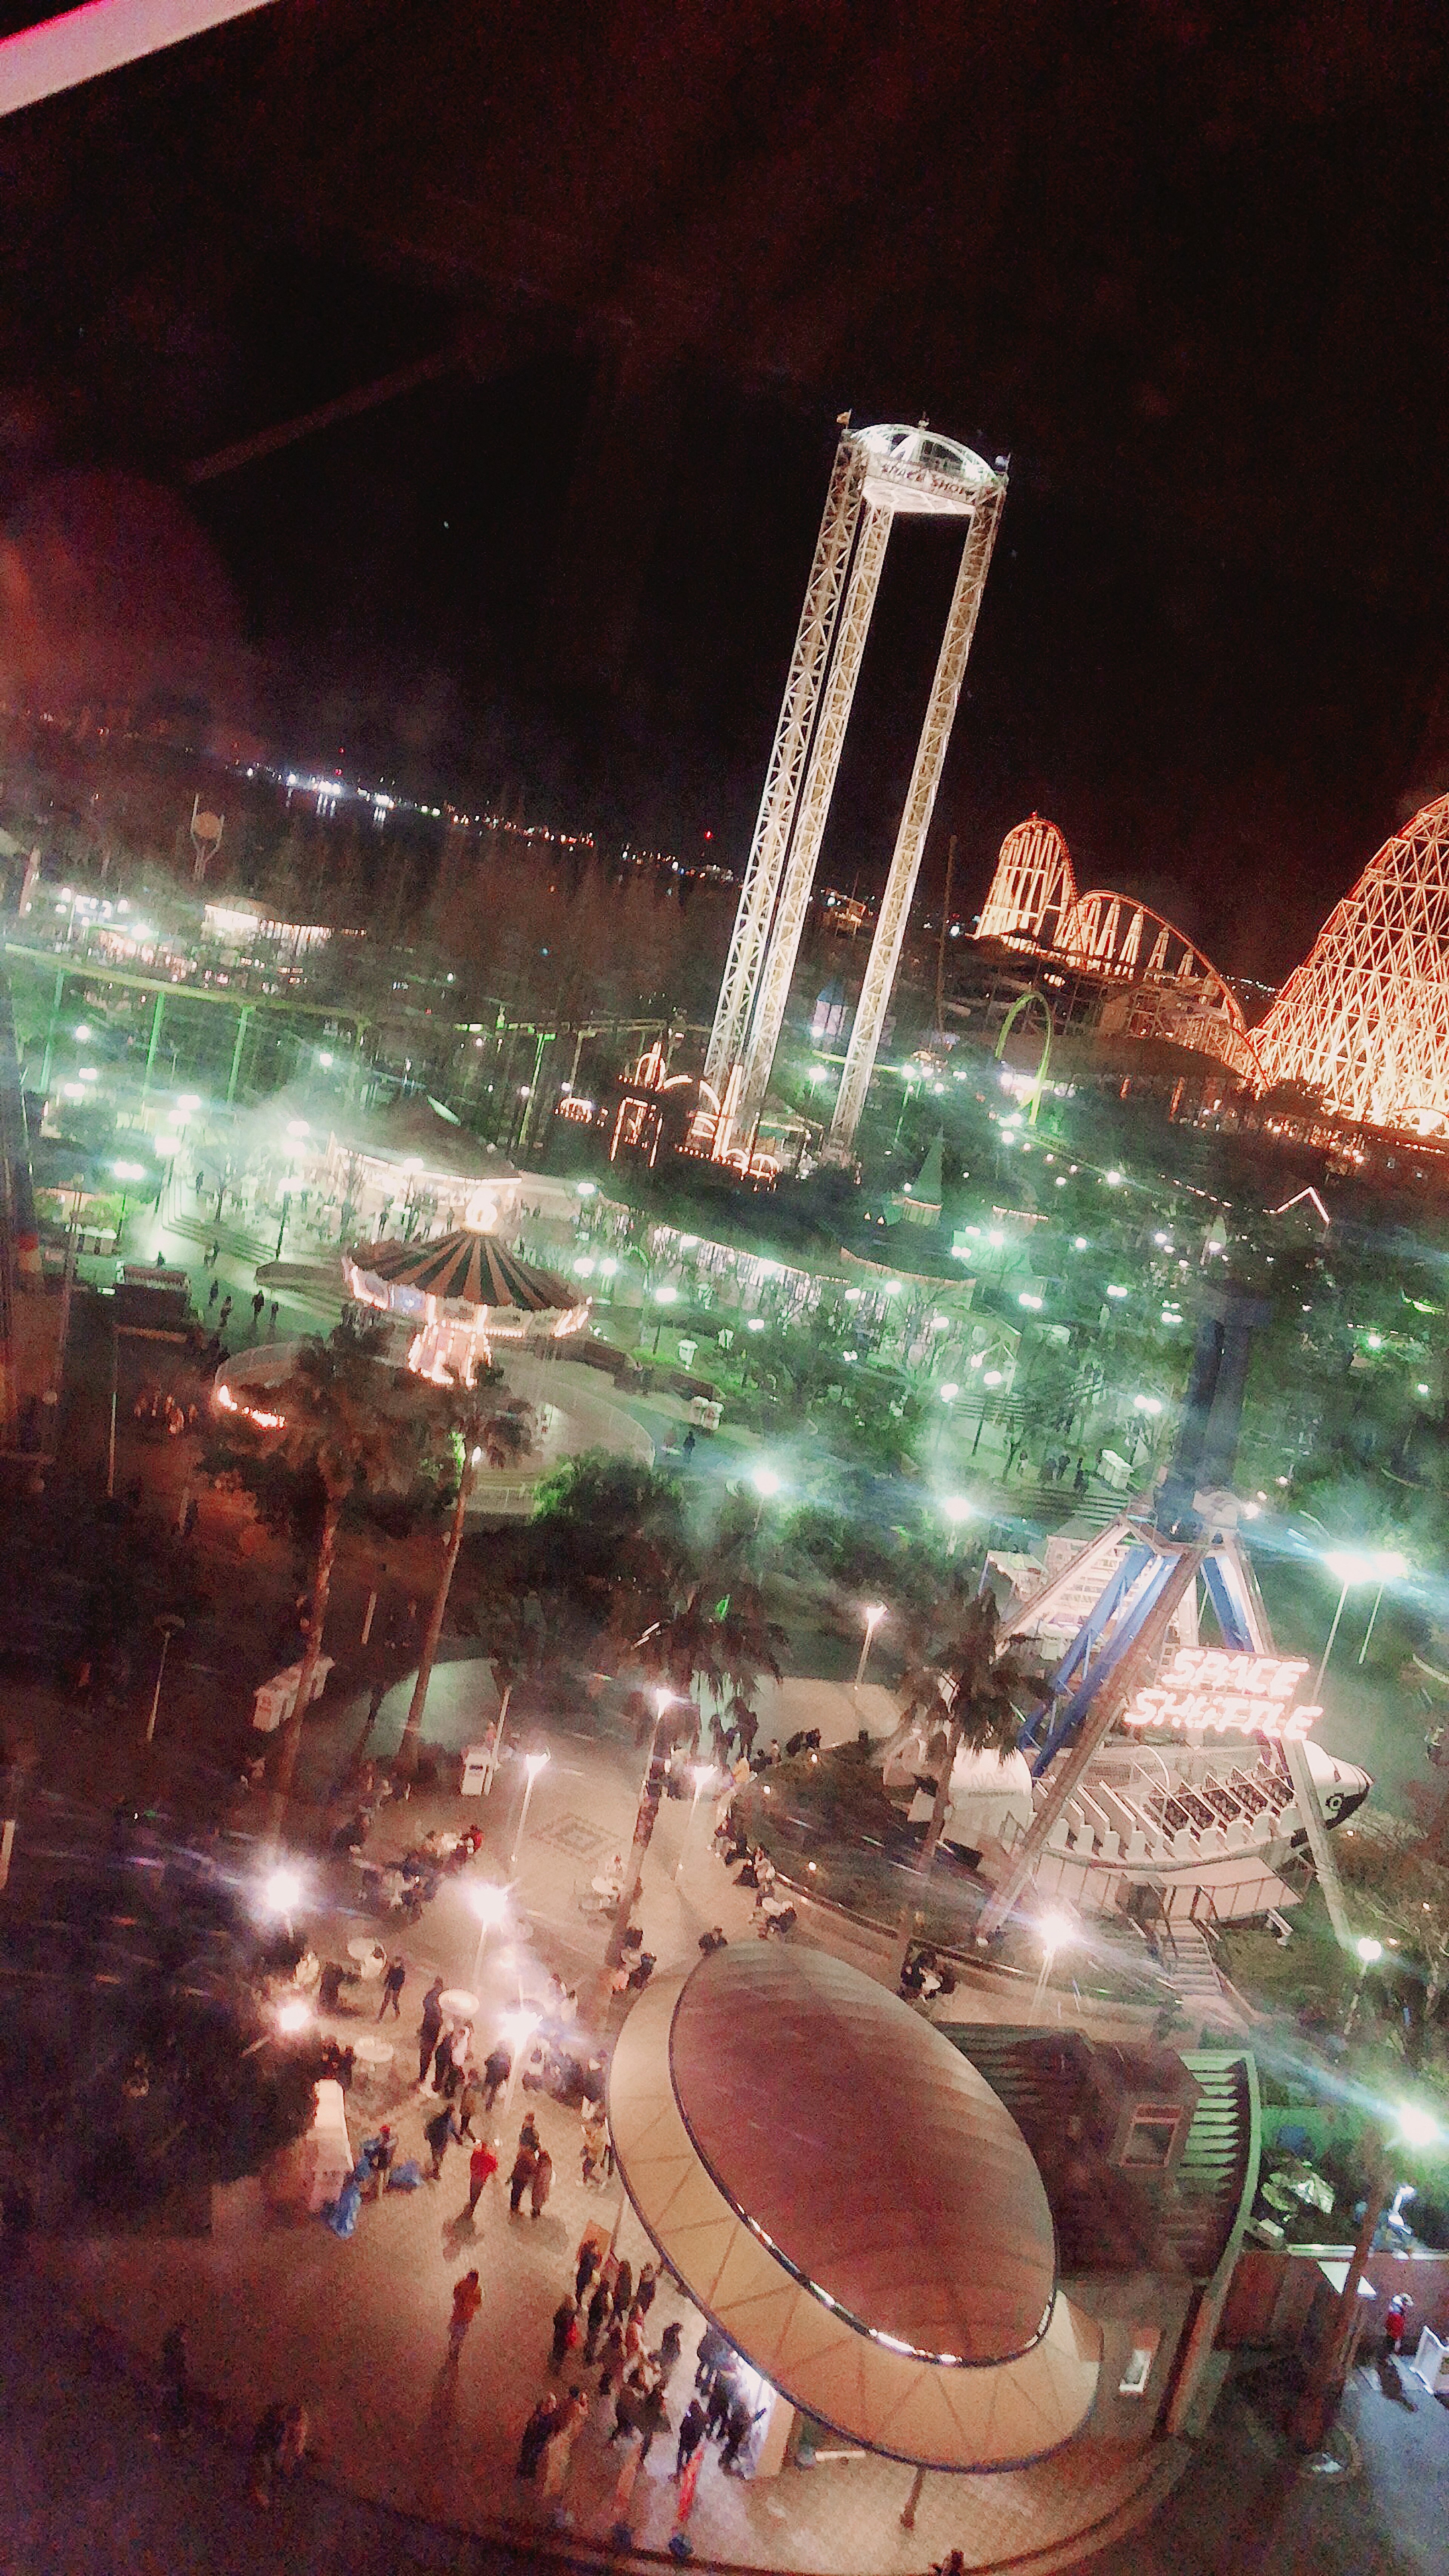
473, 1431
338, 1433
965, 1691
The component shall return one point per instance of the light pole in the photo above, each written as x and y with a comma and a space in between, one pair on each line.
1391, 1568
490, 1904
518, 2030
703, 1773
1348, 1566
1370, 1952
957, 1511
533, 1763
168, 1623
644, 1816
1056, 1931
873, 1617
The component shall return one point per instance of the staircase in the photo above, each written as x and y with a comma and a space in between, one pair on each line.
1195, 1981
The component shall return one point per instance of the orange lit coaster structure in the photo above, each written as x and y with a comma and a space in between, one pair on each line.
462, 1293
1364, 1021
1168, 989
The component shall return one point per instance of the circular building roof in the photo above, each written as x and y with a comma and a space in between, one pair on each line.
849, 2207
468, 1268
881, 2168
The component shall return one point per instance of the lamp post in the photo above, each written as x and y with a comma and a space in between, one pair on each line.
703, 1773
873, 1618
518, 2030
168, 1623
644, 1816
533, 1763
1369, 1952
957, 1511
1056, 1931
1349, 1567
1391, 1568
490, 1904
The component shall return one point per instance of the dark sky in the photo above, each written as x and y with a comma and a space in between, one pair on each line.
1186, 265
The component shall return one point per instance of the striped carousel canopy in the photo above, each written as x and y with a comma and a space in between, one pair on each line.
473, 1269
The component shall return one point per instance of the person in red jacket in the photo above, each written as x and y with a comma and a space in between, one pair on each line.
482, 2166
467, 2300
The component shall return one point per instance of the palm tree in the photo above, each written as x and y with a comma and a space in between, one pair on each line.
726, 1641
964, 1692
336, 1431
474, 1432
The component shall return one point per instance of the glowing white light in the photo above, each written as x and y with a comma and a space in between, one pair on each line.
608, 1269
1056, 1929
1369, 1949
1418, 2128
293, 2016
765, 1479
956, 1507
992, 1377
188, 1100
282, 1891
533, 1763
1032, 1303
1114, 1180
950, 1391
756, 1324
1116, 1292
490, 1904
129, 1171
666, 1296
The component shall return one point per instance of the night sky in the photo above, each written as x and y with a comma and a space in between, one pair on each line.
1186, 265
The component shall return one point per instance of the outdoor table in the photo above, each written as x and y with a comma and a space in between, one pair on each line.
613, 1887
370, 1956
458, 2005
370, 2057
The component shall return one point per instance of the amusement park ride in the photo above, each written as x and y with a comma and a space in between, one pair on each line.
1155, 1761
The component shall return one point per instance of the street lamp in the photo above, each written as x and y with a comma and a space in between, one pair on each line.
957, 1511
294, 2016
168, 1623
1348, 1566
1369, 1952
533, 1763
1056, 1930
701, 1773
518, 2030
1391, 1569
765, 1480
873, 1617
490, 1904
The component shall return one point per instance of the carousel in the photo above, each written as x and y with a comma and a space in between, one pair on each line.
462, 1294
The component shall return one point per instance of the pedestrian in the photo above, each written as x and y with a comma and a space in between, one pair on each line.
273, 1319
258, 1302
528, 2134
467, 2300
710, 2352
470, 2100
666, 2358
586, 2264
652, 2419
482, 2166
594, 2143
224, 1318
443, 2064
721, 2398
739, 2425
626, 2416
440, 2133
535, 2433
429, 2027
215, 1293
395, 1977
521, 2177
377, 2155
1396, 2324
601, 2309
613, 2358
212, 1257
565, 2331
623, 2287
644, 2295
560, 2442
691, 2434
953, 2564
277, 2445
541, 2182
497, 2067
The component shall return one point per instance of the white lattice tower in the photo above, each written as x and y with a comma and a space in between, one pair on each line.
778, 965
1031, 897
1364, 1021
773, 824
915, 823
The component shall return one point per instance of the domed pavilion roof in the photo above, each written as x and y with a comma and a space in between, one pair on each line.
853, 2207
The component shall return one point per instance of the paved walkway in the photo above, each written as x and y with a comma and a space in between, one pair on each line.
359, 2328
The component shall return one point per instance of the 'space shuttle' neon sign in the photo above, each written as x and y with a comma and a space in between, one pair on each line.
1209, 1690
